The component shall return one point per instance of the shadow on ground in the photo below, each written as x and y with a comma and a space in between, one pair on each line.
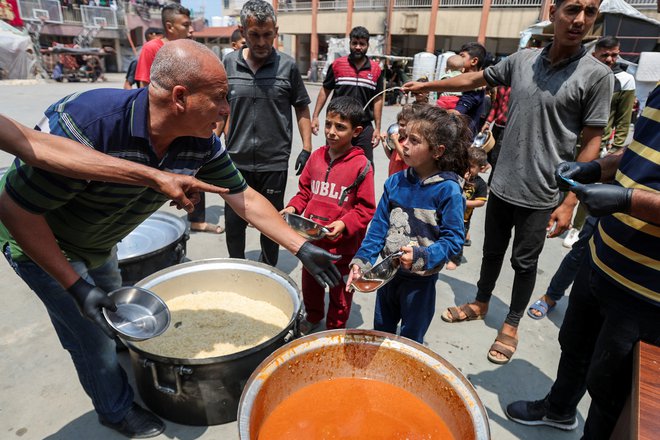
523, 381
464, 292
88, 427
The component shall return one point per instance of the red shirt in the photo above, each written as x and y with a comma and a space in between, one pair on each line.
396, 163
147, 55
320, 189
500, 107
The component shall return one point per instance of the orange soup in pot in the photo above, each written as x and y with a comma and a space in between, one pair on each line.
353, 408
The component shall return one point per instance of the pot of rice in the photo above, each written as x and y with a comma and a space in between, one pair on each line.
227, 316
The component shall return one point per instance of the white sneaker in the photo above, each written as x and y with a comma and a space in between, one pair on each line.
571, 238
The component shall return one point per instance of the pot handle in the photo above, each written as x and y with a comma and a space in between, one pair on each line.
178, 372
180, 251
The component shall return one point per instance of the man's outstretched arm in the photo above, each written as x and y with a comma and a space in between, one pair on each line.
69, 158
460, 83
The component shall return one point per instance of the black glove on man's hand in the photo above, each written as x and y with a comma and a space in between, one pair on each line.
603, 200
90, 299
583, 172
319, 263
301, 161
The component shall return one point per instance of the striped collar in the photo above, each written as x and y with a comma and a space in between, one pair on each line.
140, 114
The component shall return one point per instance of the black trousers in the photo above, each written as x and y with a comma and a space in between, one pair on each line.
364, 141
199, 213
530, 234
603, 323
271, 185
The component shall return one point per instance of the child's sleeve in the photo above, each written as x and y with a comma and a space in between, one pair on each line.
481, 190
304, 194
469, 100
451, 235
358, 218
375, 240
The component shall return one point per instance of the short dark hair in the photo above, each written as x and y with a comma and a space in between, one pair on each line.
475, 50
260, 10
359, 32
477, 156
236, 36
347, 108
172, 9
607, 42
152, 30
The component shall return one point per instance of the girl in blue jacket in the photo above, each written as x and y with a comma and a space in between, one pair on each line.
420, 213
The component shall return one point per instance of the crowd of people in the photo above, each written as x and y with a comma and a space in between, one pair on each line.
552, 113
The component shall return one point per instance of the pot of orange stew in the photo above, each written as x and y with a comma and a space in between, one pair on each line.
359, 384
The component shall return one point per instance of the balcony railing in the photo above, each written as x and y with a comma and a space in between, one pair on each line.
341, 5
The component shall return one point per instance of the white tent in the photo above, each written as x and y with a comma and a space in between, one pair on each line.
14, 58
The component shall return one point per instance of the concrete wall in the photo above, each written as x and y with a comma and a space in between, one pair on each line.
502, 23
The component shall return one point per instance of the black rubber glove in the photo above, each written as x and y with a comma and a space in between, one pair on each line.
603, 200
318, 262
582, 172
90, 299
301, 161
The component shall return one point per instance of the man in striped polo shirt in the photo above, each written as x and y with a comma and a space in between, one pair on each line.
615, 300
60, 234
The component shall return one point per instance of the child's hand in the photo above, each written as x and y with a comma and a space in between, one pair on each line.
336, 228
407, 257
383, 136
354, 275
289, 209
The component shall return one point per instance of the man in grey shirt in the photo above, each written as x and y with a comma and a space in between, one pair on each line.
263, 86
556, 94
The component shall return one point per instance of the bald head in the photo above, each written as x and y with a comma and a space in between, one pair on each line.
186, 63
455, 62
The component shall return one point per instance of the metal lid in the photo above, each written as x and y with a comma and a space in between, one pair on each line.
156, 232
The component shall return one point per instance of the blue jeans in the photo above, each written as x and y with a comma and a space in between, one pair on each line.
93, 353
409, 299
569, 266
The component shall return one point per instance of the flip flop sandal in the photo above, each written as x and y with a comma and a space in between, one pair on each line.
452, 314
502, 349
213, 229
540, 306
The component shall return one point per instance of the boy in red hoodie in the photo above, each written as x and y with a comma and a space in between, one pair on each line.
336, 189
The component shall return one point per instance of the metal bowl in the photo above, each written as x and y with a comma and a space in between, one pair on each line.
140, 314
379, 275
392, 129
484, 140
305, 227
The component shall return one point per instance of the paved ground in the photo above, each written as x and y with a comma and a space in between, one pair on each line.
40, 396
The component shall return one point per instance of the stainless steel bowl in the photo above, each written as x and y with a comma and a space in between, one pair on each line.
140, 314
305, 227
379, 275
392, 129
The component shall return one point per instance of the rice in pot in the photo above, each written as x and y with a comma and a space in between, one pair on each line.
209, 323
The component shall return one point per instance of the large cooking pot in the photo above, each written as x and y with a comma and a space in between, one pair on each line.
207, 391
157, 243
363, 354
